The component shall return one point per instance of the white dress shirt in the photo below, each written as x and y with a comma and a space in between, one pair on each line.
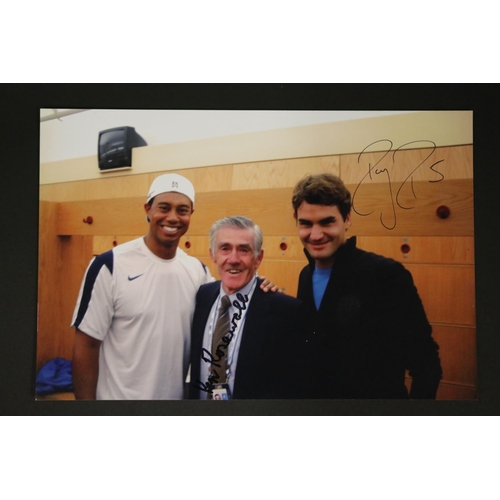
234, 347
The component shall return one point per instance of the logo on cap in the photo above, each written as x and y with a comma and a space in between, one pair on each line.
175, 184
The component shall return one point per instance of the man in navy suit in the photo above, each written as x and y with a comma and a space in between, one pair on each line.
256, 356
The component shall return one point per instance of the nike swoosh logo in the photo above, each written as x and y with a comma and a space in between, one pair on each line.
132, 278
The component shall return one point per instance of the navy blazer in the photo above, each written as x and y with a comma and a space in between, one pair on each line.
269, 340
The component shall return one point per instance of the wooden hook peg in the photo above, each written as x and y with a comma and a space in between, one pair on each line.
443, 212
88, 220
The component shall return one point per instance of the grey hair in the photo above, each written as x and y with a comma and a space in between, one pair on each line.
237, 222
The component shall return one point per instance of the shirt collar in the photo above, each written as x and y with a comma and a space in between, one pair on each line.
244, 291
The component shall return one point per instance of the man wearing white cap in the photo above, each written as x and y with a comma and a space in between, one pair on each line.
135, 306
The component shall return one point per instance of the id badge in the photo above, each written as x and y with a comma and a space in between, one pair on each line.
221, 392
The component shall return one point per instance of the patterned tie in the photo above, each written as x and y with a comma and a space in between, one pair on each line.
221, 329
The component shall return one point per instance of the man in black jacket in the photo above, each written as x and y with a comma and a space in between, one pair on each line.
367, 322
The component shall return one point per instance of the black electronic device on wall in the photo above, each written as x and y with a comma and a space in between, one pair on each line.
114, 147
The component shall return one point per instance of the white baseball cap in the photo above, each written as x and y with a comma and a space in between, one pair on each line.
169, 183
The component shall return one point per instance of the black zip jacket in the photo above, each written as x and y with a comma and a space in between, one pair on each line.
370, 328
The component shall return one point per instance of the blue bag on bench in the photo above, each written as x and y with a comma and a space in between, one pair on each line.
55, 376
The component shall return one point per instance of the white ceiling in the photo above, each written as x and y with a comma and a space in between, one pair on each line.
74, 133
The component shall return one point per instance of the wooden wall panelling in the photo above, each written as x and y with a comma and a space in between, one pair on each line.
62, 264
198, 247
58, 291
456, 164
101, 244
126, 215
292, 248
447, 391
120, 216
49, 267
377, 210
195, 244
457, 350
447, 292
128, 186
428, 165
283, 265
63, 191
422, 249
281, 173
283, 273
206, 179
271, 209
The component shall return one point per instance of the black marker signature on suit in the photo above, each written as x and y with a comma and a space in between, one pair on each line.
214, 358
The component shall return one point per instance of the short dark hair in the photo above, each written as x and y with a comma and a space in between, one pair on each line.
322, 189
